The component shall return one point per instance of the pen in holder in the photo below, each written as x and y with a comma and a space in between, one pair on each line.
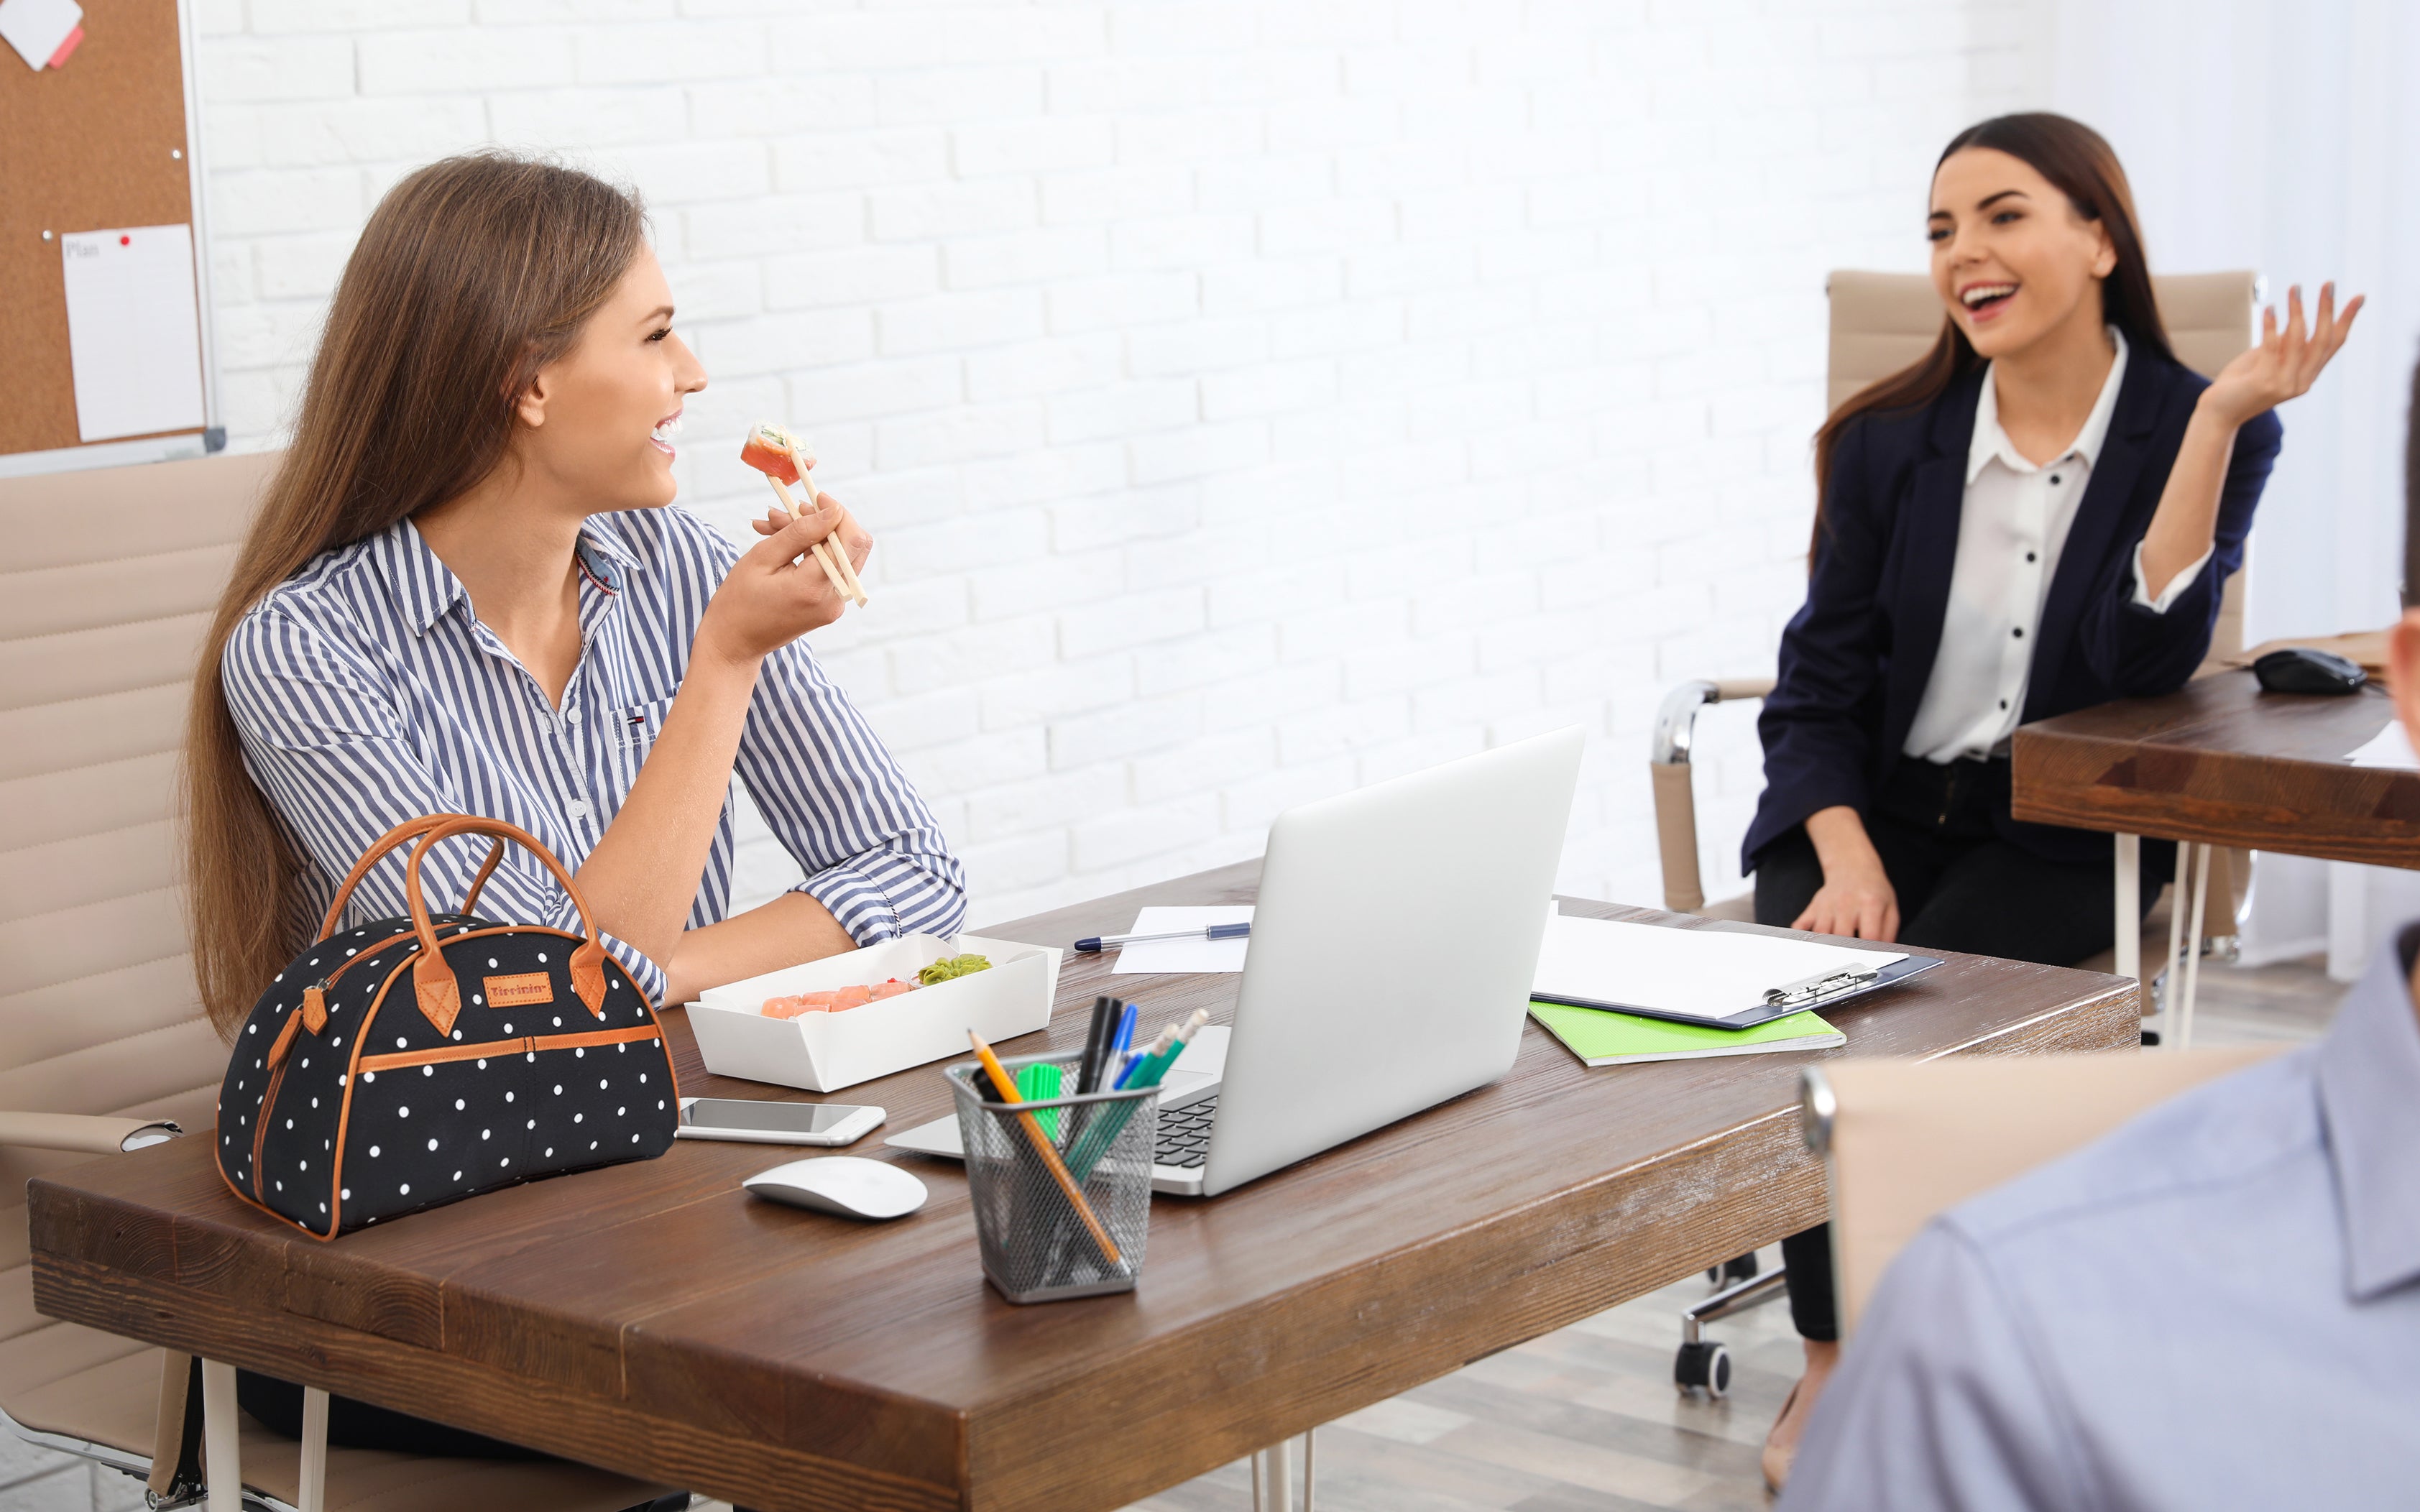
1039, 1245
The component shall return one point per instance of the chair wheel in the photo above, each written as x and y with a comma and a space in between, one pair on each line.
2151, 1039
1738, 1268
1703, 1366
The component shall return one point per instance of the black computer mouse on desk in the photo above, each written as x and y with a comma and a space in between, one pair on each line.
2301, 669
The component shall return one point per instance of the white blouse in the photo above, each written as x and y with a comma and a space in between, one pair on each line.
2012, 528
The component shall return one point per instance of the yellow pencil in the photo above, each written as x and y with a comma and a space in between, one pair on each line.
1006, 1086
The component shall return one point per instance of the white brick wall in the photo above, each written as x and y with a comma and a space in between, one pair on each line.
1251, 398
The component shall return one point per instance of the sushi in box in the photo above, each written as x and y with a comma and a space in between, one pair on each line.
848, 1018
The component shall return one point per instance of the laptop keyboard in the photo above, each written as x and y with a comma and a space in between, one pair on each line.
1185, 1132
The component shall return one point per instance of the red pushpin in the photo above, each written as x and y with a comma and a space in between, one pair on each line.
125, 240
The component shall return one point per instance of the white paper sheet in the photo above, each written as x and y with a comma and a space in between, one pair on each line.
134, 334
1712, 973
37, 28
2389, 748
1155, 956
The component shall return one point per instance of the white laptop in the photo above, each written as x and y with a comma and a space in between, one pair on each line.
1394, 946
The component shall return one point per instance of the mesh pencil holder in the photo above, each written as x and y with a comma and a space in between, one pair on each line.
1037, 1244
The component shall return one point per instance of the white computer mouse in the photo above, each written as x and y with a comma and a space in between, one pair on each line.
850, 1185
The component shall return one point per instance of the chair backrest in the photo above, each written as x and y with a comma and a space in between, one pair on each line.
111, 578
1907, 1139
1883, 322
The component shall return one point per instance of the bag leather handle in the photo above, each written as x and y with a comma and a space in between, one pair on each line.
433, 981
402, 834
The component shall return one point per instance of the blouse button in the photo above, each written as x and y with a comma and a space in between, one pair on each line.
577, 809
2019, 632
571, 716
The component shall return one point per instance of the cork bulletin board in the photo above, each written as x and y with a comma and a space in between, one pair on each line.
100, 142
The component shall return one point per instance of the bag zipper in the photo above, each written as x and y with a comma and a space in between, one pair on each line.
313, 996
519, 1045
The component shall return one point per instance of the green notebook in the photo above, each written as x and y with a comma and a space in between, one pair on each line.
1608, 1038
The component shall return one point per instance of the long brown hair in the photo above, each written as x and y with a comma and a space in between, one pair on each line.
473, 273
2079, 162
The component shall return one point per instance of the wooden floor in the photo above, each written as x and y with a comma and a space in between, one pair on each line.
1582, 1420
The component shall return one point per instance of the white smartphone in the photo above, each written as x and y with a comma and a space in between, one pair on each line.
753, 1121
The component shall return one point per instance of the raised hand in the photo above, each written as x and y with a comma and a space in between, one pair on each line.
2286, 362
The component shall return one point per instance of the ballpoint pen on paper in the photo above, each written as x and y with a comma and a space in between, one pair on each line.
1042, 1147
1208, 932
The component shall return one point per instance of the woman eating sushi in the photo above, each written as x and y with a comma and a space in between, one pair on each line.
469, 591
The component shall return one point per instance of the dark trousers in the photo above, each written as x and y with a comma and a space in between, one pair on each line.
1960, 888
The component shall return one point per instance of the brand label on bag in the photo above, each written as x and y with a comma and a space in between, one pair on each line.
522, 991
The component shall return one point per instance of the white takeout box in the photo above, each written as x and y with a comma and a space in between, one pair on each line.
826, 1052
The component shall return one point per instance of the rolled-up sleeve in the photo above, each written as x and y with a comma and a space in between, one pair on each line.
1938, 1402
340, 768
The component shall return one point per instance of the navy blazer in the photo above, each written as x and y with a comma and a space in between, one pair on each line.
1856, 659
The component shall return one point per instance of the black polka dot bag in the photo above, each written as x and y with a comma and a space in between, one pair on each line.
415, 1061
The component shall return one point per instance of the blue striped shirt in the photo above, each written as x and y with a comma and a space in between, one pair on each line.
366, 693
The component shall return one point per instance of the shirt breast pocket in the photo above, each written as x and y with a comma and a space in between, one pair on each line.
635, 729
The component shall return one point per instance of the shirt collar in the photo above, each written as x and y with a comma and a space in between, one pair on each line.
426, 585
2369, 1098
1991, 441
429, 590
603, 553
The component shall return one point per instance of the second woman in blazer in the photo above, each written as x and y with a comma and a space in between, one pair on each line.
2039, 516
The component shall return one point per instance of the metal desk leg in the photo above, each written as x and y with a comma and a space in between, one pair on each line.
2192, 951
1273, 1475
2172, 964
2130, 910
221, 1441
313, 1494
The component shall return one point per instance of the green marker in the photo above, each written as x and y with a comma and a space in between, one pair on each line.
1040, 1083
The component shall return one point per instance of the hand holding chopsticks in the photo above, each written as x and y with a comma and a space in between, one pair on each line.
773, 451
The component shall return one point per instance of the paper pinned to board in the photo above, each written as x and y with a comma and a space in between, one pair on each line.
2389, 748
43, 32
1153, 957
134, 331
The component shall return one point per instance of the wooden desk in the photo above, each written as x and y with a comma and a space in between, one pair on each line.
2220, 762
653, 1319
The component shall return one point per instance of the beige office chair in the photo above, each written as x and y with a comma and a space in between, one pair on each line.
110, 579
1903, 1140
1881, 323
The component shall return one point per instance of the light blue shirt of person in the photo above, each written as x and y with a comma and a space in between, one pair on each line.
2216, 1306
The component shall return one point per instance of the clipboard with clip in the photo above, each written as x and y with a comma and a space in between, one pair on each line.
1837, 985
